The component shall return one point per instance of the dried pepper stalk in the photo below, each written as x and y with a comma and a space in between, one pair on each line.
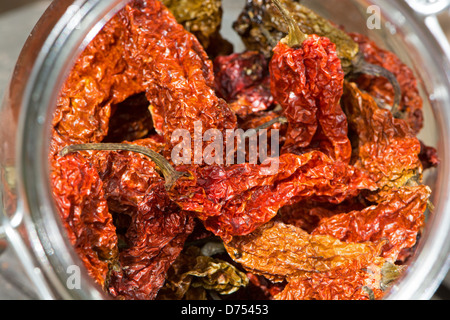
387, 149
261, 27
203, 19
192, 274
242, 79
307, 81
410, 105
80, 200
398, 217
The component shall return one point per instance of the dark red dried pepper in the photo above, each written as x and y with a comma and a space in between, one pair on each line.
242, 79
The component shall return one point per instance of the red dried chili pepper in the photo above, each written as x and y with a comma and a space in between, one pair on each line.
126, 58
184, 92
80, 200
307, 80
398, 218
156, 228
235, 200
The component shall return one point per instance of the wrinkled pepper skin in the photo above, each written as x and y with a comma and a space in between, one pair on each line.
411, 104
125, 59
237, 199
81, 203
156, 230
386, 148
308, 83
399, 218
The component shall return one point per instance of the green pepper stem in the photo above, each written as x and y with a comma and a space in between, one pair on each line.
295, 37
170, 174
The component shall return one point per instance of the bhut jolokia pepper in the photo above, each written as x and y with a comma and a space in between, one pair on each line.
314, 266
261, 27
410, 104
385, 148
81, 203
307, 81
398, 218
126, 58
152, 230
194, 274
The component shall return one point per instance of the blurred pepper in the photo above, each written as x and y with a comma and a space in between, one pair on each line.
242, 79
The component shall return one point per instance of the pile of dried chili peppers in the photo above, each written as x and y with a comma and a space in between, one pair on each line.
337, 219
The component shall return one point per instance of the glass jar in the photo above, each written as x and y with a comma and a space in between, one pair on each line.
29, 222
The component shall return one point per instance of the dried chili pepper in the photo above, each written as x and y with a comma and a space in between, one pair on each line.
203, 19
398, 217
410, 105
130, 51
315, 267
193, 273
156, 228
80, 200
242, 79
184, 92
428, 156
344, 284
237, 199
280, 251
386, 148
100, 78
307, 81
261, 27
154, 239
